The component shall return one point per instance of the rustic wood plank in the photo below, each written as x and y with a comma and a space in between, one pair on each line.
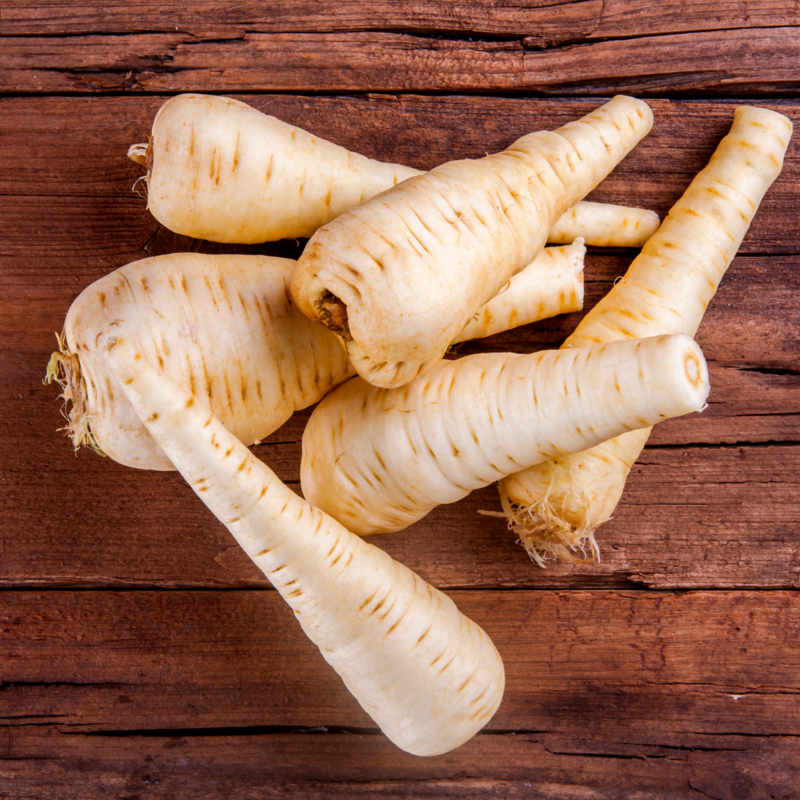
81, 539
81, 144
648, 668
693, 517
546, 22
755, 61
43, 762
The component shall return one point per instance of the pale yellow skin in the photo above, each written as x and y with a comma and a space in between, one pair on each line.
556, 506
550, 285
223, 171
410, 267
604, 225
380, 459
427, 675
225, 328
220, 170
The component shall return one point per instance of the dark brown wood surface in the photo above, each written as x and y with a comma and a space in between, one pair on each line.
143, 655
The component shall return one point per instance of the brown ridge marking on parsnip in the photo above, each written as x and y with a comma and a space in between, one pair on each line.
464, 685
228, 451
228, 392
437, 658
424, 634
334, 545
208, 421
242, 465
478, 698
399, 619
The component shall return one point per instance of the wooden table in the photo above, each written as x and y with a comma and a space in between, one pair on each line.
142, 654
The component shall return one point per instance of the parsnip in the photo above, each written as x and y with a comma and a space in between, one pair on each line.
604, 225
225, 328
399, 276
427, 675
218, 169
380, 459
550, 285
556, 506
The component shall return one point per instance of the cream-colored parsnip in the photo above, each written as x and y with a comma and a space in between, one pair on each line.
556, 506
380, 459
220, 170
225, 328
398, 277
427, 675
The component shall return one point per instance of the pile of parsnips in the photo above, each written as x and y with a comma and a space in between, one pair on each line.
183, 360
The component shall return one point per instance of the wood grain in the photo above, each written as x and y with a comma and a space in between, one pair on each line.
319, 764
653, 667
549, 23
747, 62
81, 143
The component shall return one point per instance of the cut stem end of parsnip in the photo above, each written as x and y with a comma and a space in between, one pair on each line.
333, 315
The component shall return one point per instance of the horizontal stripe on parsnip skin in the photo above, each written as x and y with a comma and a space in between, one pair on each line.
380, 459
224, 327
400, 275
219, 169
427, 675
556, 506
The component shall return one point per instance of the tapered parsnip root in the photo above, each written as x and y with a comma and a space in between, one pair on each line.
604, 225
64, 368
666, 290
409, 268
225, 328
380, 459
551, 284
218, 169
427, 675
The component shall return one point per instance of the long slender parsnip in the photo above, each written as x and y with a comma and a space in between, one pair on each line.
556, 506
380, 459
427, 675
398, 277
218, 169
224, 327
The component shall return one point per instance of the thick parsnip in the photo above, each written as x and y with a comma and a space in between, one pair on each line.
380, 459
398, 277
556, 506
218, 169
427, 675
224, 327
